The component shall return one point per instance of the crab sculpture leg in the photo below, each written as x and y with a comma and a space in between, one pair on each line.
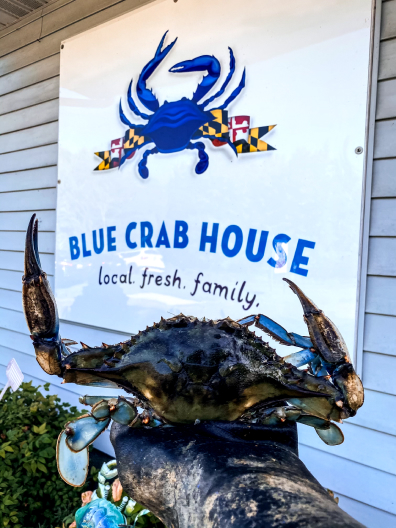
42, 318
326, 355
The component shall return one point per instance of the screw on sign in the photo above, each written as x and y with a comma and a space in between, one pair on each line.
14, 377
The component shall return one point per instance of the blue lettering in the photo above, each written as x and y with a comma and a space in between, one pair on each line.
163, 239
74, 249
237, 231
250, 245
277, 245
181, 239
146, 237
100, 248
299, 259
209, 239
111, 241
86, 253
129, 229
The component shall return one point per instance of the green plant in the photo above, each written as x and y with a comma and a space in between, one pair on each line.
31, 492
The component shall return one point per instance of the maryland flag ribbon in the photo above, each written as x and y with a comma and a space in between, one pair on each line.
121, 150
221, 130
218, 127
253, 142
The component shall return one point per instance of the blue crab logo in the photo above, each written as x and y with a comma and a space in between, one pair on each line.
173, 126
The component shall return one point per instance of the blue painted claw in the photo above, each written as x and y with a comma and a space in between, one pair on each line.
276, 331
143, 170
330, 433
83, 431
298, 359
124, 412
205, 63
72, 467
145, 95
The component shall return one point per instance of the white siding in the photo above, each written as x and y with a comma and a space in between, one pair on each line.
362, 471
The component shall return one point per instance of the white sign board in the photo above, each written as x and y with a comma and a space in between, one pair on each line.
199, 204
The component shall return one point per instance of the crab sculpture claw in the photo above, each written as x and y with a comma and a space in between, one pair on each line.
73, 442
326, 355
40, 308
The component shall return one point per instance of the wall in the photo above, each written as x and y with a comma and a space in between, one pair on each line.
362, 471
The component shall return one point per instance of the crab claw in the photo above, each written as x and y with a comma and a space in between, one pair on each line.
39, 306
330, 345
324, 334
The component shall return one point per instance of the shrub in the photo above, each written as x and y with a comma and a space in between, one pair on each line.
32, 494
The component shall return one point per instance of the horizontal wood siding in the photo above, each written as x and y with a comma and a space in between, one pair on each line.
379, 350
363, 476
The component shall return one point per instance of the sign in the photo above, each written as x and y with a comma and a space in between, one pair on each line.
205, 152
14, 377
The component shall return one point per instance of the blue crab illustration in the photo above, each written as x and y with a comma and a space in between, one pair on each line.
173, 125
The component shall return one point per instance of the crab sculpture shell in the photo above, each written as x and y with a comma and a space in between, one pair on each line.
184, 369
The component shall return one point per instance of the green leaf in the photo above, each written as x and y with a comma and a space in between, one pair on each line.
41, 467
41, 429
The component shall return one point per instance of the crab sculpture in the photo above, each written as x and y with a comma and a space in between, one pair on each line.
99, 512
173, 125
183, 370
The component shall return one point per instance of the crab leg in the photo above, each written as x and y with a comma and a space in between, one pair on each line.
331, 347
133, 106
236, 92
40, 308
225, 84
330, 433
73, 442
203, 164
203, 63
146, 96
278, 333
143, 170
325, 351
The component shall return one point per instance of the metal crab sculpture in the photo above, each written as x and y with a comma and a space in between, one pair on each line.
183, 369
173, 125
99, 512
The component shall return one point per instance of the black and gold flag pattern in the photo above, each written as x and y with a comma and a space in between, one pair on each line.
253, 142
217, 130
106, 157
218, 127
133, 139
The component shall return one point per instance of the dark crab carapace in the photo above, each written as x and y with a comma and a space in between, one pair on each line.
184, 369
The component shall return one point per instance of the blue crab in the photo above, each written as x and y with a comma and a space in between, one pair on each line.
173, 125
183, 369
